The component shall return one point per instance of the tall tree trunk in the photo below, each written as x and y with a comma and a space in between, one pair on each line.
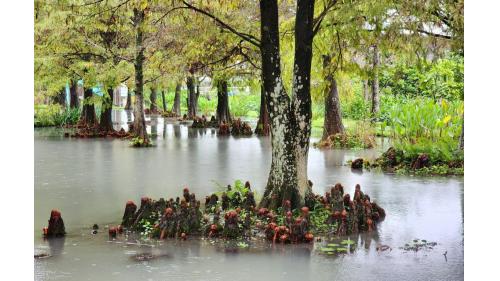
106, 122
176, 107
262, 128
333, 116
375, 87
139, 127
88, 117
366, 90
152, 98
223, 114
290, 119
73, 94
301, 90
192, 99
163, 101
128, 105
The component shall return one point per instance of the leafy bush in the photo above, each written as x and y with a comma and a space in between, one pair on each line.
55, 115
438, 80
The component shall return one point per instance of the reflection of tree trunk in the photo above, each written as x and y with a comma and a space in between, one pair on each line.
375, 85
73, 95
223, 114
106, 123
176, 108
163, 101
333, 116
128, 105
192, 97
262, 128
152, 98
88, 117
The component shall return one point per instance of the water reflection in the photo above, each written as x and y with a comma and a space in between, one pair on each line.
90, 181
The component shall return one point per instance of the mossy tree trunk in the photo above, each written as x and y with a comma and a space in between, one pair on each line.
106, 122
375, 83
223, 114
262, 128
73, 94
152, 98
88, 116
366, 90
192, 97
290, 117
333, 115
128, 105
176, 107
139, 127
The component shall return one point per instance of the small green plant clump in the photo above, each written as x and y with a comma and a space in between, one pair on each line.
409, 162
140, 142
347, 140
55, 115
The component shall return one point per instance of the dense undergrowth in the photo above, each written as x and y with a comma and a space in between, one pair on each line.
55, 115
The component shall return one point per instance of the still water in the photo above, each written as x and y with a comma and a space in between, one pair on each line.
90, 180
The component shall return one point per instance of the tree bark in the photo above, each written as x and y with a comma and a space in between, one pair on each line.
73, 94
128, 105
192, 97
375, 86
88, 117
301, 90
139, 127
290, 122
152, 98
163, 101
262, 128
176, 107
106, 123
223, 114
366, 90
333, 115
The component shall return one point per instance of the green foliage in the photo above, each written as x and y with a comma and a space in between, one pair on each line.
140, 142
55, 115
443, 79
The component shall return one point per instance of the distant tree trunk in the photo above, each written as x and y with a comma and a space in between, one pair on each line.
366, 90
73, 94
128, 105
333, 115
152, 98
262, 128
290, 118
375, 86
106, 122
60, 98
88, 117
223, 113
163, 101
462, 136
176, 107
192, 97
139, 127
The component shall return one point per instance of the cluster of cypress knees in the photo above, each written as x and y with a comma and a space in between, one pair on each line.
235, 128
235, 215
